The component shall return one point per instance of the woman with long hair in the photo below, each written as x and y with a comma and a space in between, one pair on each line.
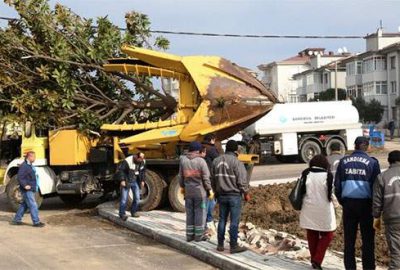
317, 213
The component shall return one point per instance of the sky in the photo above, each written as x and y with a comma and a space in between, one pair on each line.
262, 17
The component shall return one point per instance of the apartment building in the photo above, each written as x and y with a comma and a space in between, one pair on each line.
278, 75
325, 72
302, 77
375, 73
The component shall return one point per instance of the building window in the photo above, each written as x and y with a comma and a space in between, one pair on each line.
326, 78
393, 62
350, 68
359, 67
354, 68
376, 63
368, 89
310, 79
393, 87
381, 88
359, 90
368, 65
352, 91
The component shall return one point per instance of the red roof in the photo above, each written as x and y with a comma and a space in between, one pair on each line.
295, 60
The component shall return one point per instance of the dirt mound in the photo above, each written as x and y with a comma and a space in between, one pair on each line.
270, 208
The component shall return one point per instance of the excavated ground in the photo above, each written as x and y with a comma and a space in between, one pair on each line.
270, 208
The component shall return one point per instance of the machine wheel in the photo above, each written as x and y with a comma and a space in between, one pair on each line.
176, 198
309, 149
72, 199
14, 195
340, 142
152, 192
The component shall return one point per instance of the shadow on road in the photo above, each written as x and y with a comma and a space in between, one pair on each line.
55, 204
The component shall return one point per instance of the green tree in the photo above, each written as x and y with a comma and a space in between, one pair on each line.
329, 94
371, 111
51, 69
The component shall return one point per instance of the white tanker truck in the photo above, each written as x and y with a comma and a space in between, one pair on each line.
302, 130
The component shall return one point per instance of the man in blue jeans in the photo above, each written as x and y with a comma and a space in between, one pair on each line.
27, 179
132, 173
230, 182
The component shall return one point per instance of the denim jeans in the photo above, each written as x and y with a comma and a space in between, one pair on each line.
210, 209
28, 202
229, 205
134, 186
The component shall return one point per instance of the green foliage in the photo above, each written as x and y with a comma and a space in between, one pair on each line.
329, 95
371, 111
51, 68
397, 101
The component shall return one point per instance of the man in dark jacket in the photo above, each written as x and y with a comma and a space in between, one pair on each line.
132, 176
391, 128
354, 182
194, 179
230, 183
211, 150
386, 204
27, 179
334, 159
211, 154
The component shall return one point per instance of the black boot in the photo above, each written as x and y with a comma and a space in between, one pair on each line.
123, 217
237, 249
316, 265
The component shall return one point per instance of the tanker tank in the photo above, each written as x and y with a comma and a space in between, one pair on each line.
307, 116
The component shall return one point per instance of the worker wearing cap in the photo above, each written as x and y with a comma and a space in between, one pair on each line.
386, 206
354, 180
194, 179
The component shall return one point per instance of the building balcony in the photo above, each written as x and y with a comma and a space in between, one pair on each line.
374, 76
353, 79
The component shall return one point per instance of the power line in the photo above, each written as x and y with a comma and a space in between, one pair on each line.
256, 36
236, 35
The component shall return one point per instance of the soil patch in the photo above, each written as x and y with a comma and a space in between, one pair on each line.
270, 208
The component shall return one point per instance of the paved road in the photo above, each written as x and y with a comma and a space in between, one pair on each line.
78, 239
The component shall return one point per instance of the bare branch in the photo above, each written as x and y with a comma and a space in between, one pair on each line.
123, 115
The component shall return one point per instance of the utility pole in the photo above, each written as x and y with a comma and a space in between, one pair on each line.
336, 89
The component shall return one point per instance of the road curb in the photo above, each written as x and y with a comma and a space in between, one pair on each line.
204, 251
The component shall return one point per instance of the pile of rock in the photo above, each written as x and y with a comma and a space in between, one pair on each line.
273, 242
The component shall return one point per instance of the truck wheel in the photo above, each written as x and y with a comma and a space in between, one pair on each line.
72, 199
176, 198
332, 141
152, 192
309, 149
14, 195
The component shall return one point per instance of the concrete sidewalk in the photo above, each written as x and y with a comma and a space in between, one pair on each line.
169, 228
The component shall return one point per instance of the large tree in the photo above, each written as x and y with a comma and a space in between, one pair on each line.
371, 111
51, 69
